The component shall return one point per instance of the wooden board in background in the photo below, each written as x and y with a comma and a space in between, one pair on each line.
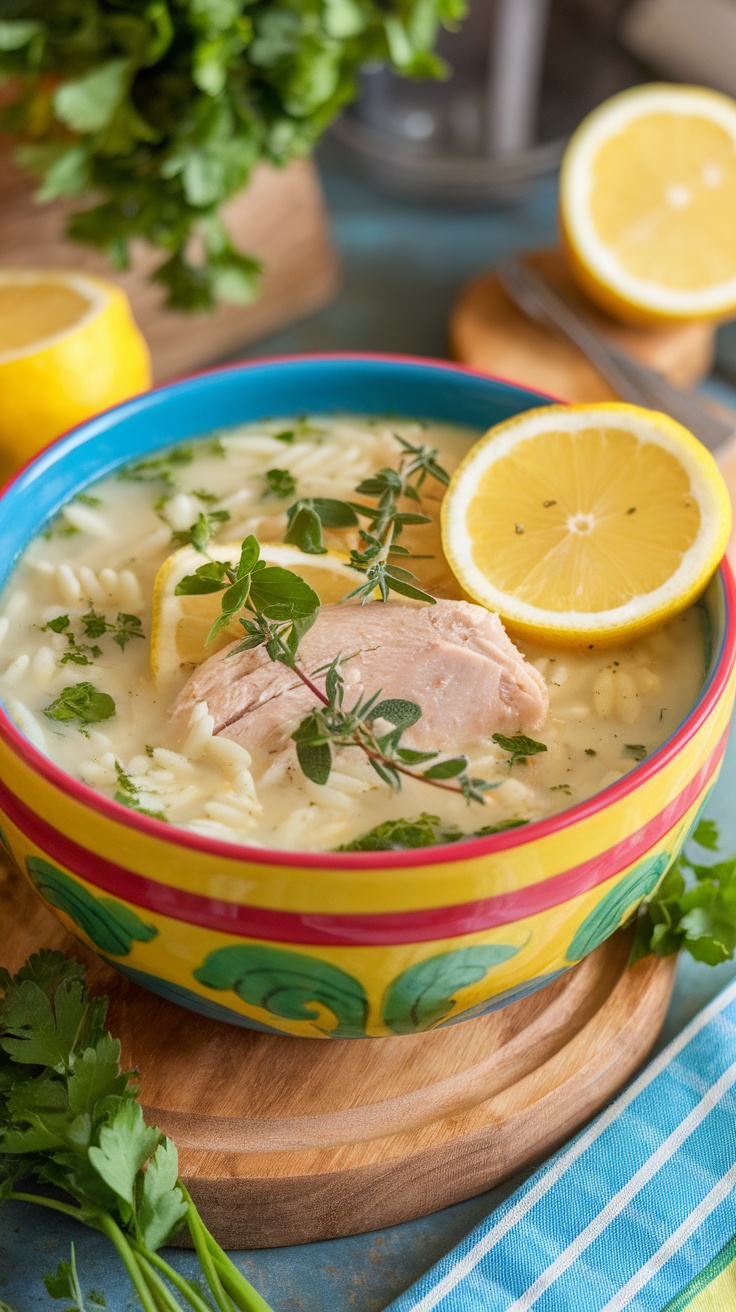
281, 218
286, 1140
488, 333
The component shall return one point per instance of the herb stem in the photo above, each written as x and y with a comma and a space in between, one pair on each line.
246, 1298
110, 1228
371, 752
200, 1236
159, 1290
65, 1208
179, 1282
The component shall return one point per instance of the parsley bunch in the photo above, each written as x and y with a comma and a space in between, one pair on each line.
152, 115
70, 1119
694, 907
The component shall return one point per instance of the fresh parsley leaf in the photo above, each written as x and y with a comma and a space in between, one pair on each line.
637, 750
86, 499
58, 625
426, 831
201, 531
81, 704
519, 746
158, 469
280, 483
127, 794
162, 1207
125, 1145
286, 435
706, 835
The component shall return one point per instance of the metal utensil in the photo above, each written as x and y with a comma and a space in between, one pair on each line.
630, 379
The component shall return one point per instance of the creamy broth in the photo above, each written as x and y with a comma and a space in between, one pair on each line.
608, 708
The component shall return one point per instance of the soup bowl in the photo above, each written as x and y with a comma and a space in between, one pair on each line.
351, 944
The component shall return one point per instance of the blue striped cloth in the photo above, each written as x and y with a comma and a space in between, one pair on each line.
628, 1214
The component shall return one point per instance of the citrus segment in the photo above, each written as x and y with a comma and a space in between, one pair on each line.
586, 523
180, 624
68, 348
647, 197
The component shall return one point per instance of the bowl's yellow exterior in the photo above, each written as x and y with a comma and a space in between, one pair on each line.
343, 946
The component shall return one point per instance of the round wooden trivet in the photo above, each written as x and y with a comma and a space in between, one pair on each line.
285, 1140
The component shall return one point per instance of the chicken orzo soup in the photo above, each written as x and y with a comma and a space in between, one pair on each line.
239, 745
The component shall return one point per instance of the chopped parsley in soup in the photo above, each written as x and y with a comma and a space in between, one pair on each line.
156, 644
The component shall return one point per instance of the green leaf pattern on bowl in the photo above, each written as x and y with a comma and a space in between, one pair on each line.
112, 927
424, 994
617, 905
288, 984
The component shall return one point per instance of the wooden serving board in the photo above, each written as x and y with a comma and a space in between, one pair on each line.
285, 1140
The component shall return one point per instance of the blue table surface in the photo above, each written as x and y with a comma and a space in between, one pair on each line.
402, 268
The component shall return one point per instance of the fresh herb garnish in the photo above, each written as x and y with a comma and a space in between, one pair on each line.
280, 483
332, 726
201, 532
287, 436
379, 552
694, 908
425, 831
64, 1283
86, 499
280, 608
60, 529
637, 750
80, 705
158, 469
69, 1117
94, 625
519, 746
150, 115
128, 794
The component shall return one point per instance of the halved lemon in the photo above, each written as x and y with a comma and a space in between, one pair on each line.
179, 625
586, 524
69, 347
647, 204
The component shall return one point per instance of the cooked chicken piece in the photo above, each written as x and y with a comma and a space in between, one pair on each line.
454, 659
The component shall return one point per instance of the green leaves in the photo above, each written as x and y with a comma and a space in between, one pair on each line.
426, 831
125, 1145
201, 531
280, 483
163, 110
69, 1118
88, 104
519, 747
80, 705
307, 518
162, 1207
694, 908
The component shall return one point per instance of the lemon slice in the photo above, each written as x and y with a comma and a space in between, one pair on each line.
68, 348
180, 625
647, 204
586, 524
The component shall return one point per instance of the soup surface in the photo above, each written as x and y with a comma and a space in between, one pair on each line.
78, 611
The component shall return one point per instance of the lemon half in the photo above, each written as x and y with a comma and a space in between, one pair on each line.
69, 347
586, 524
647, 204
180, 625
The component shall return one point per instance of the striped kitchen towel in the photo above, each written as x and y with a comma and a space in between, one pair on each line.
637, 1213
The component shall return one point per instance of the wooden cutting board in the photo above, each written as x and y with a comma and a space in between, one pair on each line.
285, 1140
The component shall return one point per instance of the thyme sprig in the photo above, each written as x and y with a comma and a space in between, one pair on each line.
380, 551
280, 608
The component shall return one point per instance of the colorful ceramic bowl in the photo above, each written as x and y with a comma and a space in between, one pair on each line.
351, 944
